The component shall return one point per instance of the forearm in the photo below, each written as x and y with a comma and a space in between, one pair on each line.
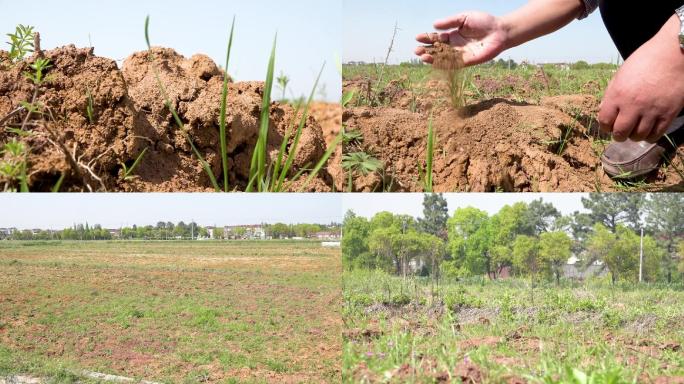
538, 18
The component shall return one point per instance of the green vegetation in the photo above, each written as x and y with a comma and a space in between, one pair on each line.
359, 163
176, 312
21, 42
128, 172
487, 81
13, 164
496, 298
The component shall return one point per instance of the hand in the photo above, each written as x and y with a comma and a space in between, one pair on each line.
647, 93
481, 36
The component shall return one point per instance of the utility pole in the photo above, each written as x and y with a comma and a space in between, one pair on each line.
641, 258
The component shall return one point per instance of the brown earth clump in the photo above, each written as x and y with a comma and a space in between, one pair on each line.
492, 145
129, 115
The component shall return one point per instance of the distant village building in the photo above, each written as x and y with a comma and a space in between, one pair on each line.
575, 271
327, 236
251, 232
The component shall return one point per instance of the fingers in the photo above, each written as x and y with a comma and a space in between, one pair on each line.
607, 116
644, 129
431, 38
659, 130
624, 124
453, 22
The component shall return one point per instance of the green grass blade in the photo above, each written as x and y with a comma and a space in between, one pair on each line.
262, 142
281, 153
224, 107
137, 161
58, 185
321, 163
23, 181
293, 149
429, 156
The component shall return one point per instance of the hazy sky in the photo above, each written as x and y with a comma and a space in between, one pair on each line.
412, 203
56, 211
309, 32
368, 26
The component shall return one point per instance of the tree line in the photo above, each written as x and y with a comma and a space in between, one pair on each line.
170, 231
532, 240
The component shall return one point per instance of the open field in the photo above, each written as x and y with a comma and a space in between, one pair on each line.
523, 129
184, 312
409, 331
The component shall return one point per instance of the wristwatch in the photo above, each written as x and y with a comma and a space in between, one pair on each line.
680, 13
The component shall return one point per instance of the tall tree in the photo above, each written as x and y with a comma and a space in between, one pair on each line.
540, 216
435, 216
470, 242
666, 221
612, 209
355, 240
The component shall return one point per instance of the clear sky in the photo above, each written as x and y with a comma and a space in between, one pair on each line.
309, 32
368, 26
57, 211
368, 205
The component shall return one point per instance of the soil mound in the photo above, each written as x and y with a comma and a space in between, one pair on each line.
129, 115
496, 145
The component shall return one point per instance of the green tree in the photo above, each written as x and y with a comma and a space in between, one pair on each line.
435, 216
505, 226
469, 242
620, 251
555, 249
612, 209
665, 220
526, 256
355, 240
381, 243
217, 233
539, 217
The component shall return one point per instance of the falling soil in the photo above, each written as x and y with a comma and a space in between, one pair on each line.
492, 145
129, 116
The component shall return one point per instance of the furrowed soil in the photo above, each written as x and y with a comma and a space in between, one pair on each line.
129, 115
399, 331
171, 311
518, 133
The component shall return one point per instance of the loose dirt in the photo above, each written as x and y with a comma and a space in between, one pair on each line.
129, 115
551, 144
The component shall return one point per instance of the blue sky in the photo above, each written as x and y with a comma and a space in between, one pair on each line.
309, 32
57, 211
368, 27
368, 205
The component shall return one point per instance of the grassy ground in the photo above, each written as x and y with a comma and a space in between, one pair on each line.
529, 83
171, 311
408, 331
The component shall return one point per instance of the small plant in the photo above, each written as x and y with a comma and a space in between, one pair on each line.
21, 43
90, 110
359, 162
283, 81
13, 166
224, 107
351, 137
427, 175
128, 172
37, 77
